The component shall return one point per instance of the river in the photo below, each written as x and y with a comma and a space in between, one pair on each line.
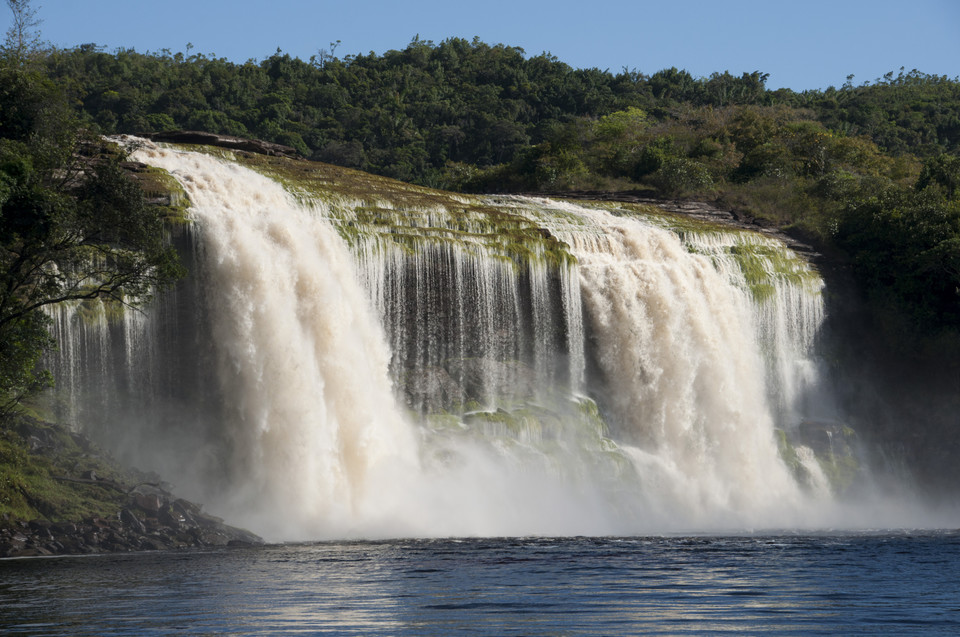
850, 583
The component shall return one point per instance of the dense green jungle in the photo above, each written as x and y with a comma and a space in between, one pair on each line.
869, 174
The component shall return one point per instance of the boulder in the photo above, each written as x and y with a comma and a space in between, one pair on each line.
149, 502
129, 518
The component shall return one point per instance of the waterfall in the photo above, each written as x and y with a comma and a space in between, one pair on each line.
679, 342
502, 366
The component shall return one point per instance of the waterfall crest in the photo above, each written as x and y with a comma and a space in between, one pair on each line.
335, 367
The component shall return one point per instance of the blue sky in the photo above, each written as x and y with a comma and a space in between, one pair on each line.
802, 45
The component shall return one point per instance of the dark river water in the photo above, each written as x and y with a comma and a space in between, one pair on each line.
869, 584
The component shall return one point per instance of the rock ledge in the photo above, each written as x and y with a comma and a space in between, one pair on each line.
223, 141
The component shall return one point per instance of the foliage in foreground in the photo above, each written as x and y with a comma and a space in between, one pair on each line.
73, 226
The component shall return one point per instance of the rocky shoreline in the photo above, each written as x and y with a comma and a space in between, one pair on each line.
130, 532
57, 472
175, 525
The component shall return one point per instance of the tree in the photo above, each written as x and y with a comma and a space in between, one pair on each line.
905, 247
942, 171
23, 36
71, 227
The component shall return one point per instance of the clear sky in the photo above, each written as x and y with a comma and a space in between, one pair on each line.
802, 44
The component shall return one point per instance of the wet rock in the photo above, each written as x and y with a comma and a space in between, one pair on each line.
149, 502
99, 523
431, 389
482, 378
129, 518
83, 442
208, 537
41, 528
17, 542
64, 528
154, 544
175, 519
187, 510
117, 547
130, 532
823, 437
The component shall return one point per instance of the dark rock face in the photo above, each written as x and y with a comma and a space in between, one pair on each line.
134, 529
431, 389
438, 389
224, 141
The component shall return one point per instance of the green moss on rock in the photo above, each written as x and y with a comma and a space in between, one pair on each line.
162, 189
765, 264
369, 207
35, 459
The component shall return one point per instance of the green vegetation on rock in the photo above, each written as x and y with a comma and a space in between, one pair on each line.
162, 189
409, 216
43, 469
764, 265
833, 447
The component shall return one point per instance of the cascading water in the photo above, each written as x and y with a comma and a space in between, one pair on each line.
618, 380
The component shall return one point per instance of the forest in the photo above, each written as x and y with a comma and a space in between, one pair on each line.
868, 173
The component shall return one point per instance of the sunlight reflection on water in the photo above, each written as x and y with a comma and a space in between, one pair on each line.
880, 584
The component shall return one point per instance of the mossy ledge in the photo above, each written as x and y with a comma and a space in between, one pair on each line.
366, 206
388, 212
159, 187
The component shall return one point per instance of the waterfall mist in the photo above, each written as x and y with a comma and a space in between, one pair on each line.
311, 387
